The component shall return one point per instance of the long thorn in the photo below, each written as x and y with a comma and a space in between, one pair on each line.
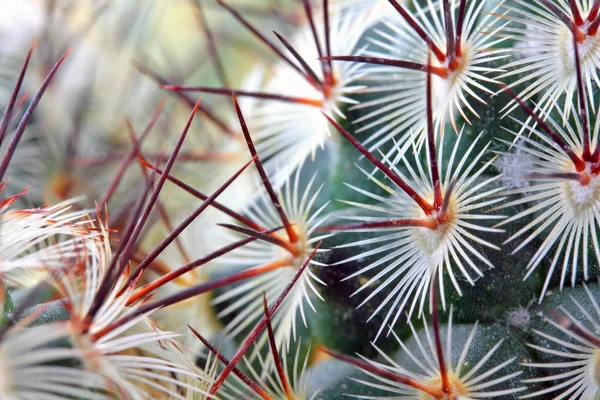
180, 228
197, 290
593, 28
569, 176
207, 286
187, 100
264, 237
383, 373
577, 18
237, 216
426, 207
259, 327
16, 138
131, 155
438, 341
13, 97
327, 34
433, 164
308, 11
443, 215
392, 223
593, 11
160, 206
418, 30
569, 325
260, 36
565, 19
579, 164
245, 93
113, 273
292, 235
278, 364
309, 71
583, 119
161, 181
450, 35
441, 72
459, 26
176, 273
249, 382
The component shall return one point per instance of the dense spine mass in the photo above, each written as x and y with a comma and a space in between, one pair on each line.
374, 199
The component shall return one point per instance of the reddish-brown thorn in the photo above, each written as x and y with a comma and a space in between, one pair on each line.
112, 273
259, 327
159, 205
383, 372
208, 286
426, 207
443, 215
314, 79
259, 35
258, 95
392, 223
569, 325
586, 154
210, 42
184, 156
13, 97
184, 224
200, 289
176, 273
292, 235
593, 28
433, 164
565, 19
206, 111
577, 18
16, 138
577, 162
120, 215
418, 30
154, 196
264, 237
131, 155
435, 318
11, 199
450, 35
582, 178
441, 72
593, 11
327, 35
249, 382
278, 364
308, 11
239, 217
459, 26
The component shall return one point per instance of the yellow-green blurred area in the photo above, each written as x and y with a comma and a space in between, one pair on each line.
82, 116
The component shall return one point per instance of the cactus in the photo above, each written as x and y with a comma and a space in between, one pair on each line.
377, 200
